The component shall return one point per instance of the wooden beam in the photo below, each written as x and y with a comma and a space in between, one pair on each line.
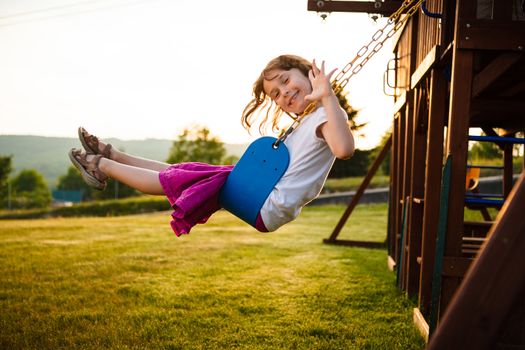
434, 165
383, 8
457, 147
514, 90
417, 187
498, 107
487, 119
455, 266
400, 102
358, 194
492, 288
406, 185
493, 71
424, 67
391, 263
491, 35
421, 324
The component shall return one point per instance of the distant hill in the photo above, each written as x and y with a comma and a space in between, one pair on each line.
48, 155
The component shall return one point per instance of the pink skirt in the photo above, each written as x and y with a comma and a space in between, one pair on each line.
193, 192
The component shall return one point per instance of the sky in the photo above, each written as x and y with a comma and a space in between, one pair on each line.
138, 69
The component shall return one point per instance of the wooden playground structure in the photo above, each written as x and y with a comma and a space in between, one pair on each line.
459, 65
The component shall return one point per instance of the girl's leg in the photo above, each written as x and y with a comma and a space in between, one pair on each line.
135, 161
94, 143
142, 179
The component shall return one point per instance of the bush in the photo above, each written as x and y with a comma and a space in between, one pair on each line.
355, 166
30, 190
118, 207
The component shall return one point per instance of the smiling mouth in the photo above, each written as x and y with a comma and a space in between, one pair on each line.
292, 99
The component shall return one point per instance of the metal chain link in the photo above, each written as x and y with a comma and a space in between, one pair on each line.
394, 23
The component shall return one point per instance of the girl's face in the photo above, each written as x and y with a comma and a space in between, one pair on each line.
287, 88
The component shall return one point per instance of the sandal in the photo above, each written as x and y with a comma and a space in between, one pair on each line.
90, 143
89, 170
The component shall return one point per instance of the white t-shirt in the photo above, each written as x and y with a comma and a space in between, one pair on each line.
310, 162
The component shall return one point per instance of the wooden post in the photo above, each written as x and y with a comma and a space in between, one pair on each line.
457, 145
434, 162
407, 172
493, 286
400, 180
419, 129
394, 197
508, 180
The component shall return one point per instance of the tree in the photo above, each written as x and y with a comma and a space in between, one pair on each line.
355, 166
197, 145
358, 164
385, 165
351, 112
29, 190
72, 181
485, 150
5, 169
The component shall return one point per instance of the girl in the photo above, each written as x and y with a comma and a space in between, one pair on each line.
287, 85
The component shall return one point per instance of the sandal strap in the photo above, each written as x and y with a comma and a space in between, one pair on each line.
106, 152
92, 141
91, 166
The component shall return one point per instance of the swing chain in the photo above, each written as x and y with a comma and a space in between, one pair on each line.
394, 23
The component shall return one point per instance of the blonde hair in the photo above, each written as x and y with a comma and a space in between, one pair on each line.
262, 102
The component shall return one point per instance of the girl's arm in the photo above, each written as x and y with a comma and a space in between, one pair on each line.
335, 131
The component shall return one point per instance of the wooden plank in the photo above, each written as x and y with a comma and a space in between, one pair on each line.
402, 250
477, 228
434, 162
497, 107
410, 112
400, 154
491, 35
421, 324
457, 147
502, 121
494, 70
424, 67
417, 187
382, 8
400, 102
454, 266
514, 90
407, 172
508, 180
492, 288
447, 25
395, 195
391, 263
440, 246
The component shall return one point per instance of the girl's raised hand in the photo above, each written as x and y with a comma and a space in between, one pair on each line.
320, 81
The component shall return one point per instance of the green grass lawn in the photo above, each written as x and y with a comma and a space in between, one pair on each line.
128, 282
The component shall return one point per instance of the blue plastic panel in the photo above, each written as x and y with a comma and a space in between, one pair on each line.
253, 178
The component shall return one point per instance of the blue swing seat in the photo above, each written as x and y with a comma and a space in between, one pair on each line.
253, 178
